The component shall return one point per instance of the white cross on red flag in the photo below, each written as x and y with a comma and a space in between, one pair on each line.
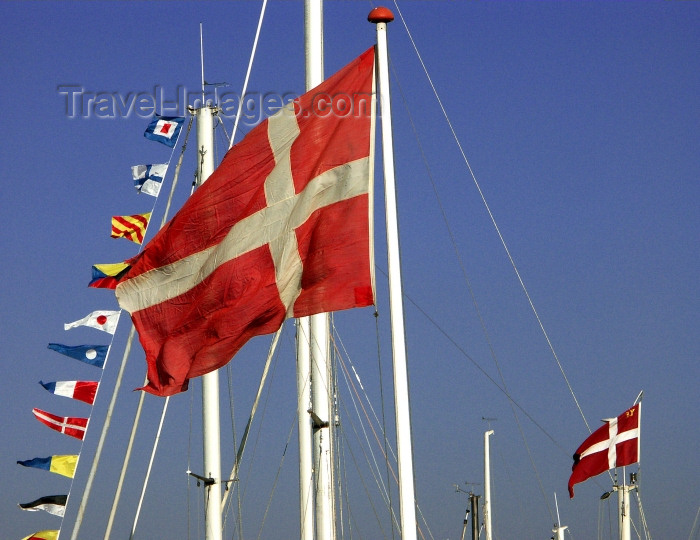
281, 229
73, 426
614, 444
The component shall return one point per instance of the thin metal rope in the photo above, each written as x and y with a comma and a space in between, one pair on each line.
472, 295
493, 219
239, 521
150, 466
387, 447
277, 476
359, 475
132, 332
482, 370
246, 431
115, 392
247, 74
383, 405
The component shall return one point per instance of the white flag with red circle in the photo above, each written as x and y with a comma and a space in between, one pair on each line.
102, 320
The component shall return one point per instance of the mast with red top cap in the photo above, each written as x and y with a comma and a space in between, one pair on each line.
381, 16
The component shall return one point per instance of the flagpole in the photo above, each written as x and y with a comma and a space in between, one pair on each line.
623, 499
487, 485
381, 16
306, 515
313, 36
210, 381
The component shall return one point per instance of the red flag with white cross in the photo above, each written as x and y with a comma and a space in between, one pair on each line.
281, 229
614, 444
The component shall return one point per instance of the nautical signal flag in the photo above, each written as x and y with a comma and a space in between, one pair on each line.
63, 465
81, 390
101, 320
106, 276
53, 504
75, 427
95, 355
149, 178
42, 535
164, 129
281, 229
614, 444
130, 227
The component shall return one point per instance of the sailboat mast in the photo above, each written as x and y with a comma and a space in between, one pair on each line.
487, 485
323, 495
306, 515
210, 382
303, 345
623, 498
381, 16
558, 528
474, 504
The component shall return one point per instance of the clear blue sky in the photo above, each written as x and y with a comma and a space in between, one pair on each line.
580, 121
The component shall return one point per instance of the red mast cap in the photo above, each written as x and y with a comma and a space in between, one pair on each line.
380, 14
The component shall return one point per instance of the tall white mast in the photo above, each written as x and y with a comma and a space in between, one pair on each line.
210, 381
211, 437
306, 500
381, 16
623, 491
487, 485
623, 500
322, 493
312, 26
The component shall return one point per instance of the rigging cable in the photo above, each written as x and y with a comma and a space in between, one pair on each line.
383, 404
493, 220
247, 74
239, 454
239, 520
150, 466
472, 295
254, 408
137, 414
230, 144
385, 450
115, 392
695, 522
277, 476
482, 370
360, 476
355, 398
642, 516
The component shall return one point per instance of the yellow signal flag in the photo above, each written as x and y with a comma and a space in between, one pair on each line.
131, 227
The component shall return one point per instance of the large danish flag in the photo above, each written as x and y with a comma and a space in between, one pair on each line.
281, 229
614, 444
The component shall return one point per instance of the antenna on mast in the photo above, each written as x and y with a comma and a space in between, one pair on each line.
201, 58
639, 397
558, 529
488, 420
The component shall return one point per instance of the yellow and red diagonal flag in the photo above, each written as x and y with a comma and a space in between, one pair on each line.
42, 535
130, 227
